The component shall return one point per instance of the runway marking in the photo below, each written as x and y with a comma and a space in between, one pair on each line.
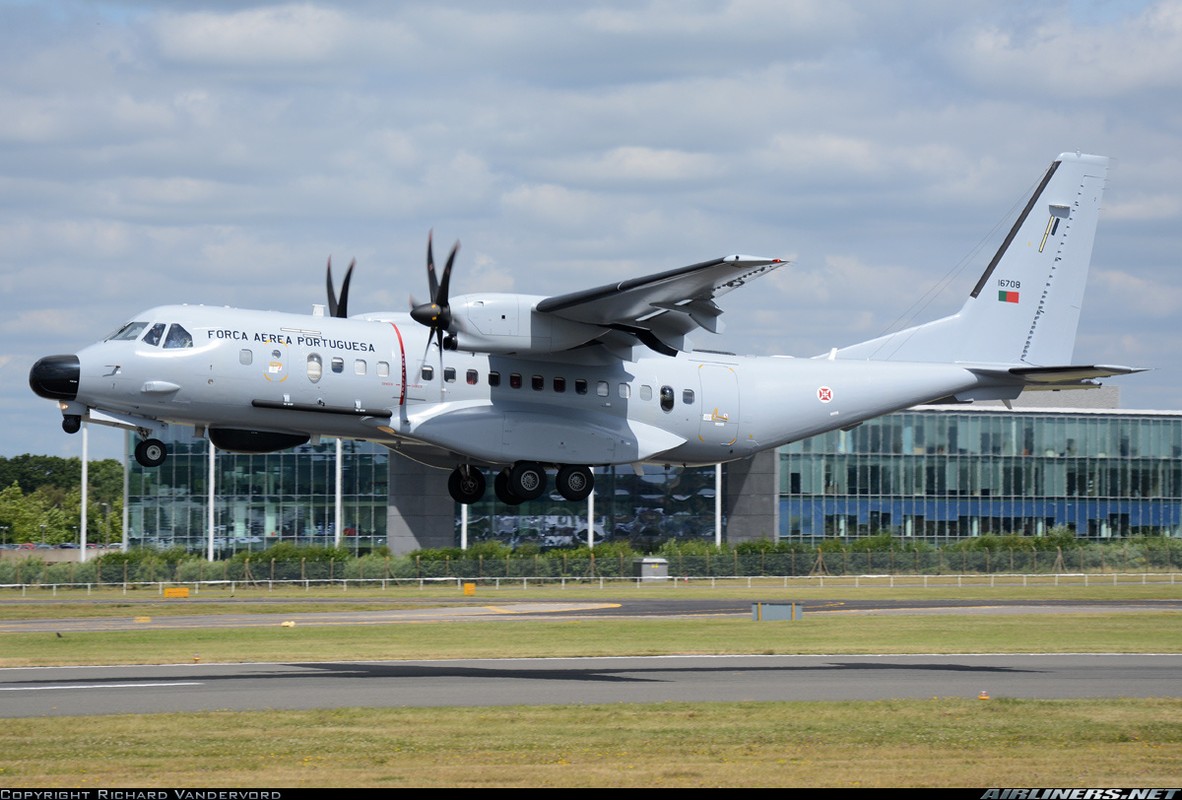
98, 686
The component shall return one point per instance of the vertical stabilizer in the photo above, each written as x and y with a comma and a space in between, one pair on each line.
1025, 307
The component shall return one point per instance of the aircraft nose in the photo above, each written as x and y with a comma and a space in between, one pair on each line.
56, 377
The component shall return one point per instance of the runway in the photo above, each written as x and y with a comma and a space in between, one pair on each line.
70, 691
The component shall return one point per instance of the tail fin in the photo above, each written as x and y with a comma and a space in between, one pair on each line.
1025, 308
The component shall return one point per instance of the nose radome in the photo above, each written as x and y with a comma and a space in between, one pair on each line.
55, 377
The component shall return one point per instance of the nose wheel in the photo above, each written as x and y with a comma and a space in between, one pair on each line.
151, 452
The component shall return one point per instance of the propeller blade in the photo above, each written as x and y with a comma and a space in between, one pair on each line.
436, 313
343, 304
431, 281
332, 292
441, 298
339, 308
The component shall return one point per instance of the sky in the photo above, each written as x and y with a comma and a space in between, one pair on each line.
221, 152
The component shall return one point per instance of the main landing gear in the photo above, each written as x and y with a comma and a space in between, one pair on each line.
525, 480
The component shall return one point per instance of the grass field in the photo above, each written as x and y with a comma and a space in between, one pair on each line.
941, 742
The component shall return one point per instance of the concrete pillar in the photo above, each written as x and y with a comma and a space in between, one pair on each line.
752, 498
420, 513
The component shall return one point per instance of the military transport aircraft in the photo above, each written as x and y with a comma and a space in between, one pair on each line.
521, 384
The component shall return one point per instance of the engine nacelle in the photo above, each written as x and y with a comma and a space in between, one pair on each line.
509, 323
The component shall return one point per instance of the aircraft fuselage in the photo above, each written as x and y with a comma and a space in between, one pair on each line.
378, 379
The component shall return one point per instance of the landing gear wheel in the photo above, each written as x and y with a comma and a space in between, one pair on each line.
527, 480
466, 484
71, 423
574, 483
501, 487
151, 452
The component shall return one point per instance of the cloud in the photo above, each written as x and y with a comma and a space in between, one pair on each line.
221, 152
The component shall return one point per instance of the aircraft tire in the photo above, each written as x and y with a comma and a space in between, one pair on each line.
574, 482
501, 487
71, 423
151, 452
527, 480
466, 484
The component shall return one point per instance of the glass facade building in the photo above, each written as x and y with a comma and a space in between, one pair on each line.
939, 473
259, 499
944, 473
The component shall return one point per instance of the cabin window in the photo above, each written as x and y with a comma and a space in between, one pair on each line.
383, 369
580, 386
625, 391
338, 364
601, 388
646, 392
245, 356
128, 332
494, 379
359, 366
514, 380
154, 334
315, 368
666, 398
428, 372
177, 338
471, 377
560, 384
537, 382
449, 374
687, 396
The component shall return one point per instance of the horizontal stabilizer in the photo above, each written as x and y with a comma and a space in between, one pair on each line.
1058, 377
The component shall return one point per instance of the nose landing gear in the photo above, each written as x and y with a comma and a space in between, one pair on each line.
151, 452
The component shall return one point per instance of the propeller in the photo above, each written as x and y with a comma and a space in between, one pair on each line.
339, 308
436, 314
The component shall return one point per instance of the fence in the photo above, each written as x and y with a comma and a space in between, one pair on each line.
553, 567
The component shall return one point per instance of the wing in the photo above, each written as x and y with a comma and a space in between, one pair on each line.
660, 309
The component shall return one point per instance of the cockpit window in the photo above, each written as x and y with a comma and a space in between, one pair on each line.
128, 332
154, 333
178, 337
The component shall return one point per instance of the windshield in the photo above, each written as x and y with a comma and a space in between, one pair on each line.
128, 332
